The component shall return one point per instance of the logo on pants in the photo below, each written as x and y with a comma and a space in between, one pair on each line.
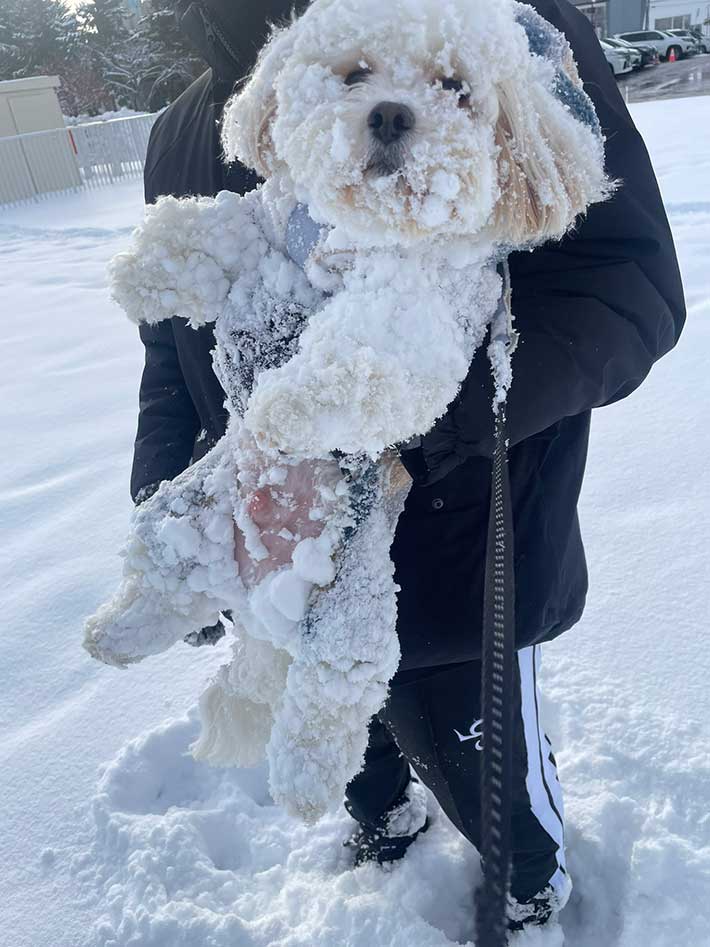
475, 733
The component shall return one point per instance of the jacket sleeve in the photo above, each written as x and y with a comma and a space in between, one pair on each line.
594, 311
167, 422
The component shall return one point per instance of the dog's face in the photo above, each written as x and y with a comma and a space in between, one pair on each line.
407, 119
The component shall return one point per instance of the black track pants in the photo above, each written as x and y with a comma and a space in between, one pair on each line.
434, 718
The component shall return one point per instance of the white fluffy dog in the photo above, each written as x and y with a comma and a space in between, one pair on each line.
407, 146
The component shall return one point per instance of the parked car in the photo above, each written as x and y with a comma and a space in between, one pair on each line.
619, 59
702, 44
688, 43
662, 42
649, 54
703, 40
635, 55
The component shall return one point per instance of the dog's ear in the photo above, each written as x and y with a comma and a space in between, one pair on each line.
249, 114
550, 151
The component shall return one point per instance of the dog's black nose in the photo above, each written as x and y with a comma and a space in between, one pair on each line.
389, 121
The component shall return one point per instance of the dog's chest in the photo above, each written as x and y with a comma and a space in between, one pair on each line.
270, 305
267, 310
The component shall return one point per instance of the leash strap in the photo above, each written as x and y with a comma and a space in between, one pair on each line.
498, 657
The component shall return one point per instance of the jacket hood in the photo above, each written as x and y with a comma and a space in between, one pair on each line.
228, 34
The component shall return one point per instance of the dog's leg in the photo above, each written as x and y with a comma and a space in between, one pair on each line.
179, 571
349, 653
237, 708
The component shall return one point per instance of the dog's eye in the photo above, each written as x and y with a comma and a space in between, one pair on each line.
357, 76
457, 86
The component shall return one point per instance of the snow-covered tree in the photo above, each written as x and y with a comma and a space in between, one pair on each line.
143, 66
170, 62
43, 37
103, 58
110, 20
34, 34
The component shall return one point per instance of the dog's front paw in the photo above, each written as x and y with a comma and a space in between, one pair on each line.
348, 404
99, 649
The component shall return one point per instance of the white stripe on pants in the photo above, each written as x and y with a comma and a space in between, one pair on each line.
541, 779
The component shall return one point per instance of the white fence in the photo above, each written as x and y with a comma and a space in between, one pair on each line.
90, 155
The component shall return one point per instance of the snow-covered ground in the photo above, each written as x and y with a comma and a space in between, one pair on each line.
154, 850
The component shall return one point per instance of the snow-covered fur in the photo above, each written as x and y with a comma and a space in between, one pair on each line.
349, 294
506, 159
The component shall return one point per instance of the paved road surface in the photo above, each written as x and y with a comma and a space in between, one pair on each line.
669, 80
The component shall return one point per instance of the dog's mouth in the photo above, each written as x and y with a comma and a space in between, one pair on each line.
385, 161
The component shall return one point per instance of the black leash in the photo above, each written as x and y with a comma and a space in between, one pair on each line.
497, 675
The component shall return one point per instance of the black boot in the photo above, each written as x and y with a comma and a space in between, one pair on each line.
388, 840
372, 845
534, 912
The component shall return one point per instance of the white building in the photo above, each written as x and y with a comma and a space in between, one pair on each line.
597, 12
37, 153
626, 16
679, 14
29, 105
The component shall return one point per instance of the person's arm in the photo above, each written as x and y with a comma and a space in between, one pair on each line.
594, 311
167, 423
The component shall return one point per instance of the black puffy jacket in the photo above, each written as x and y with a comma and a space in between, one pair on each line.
594, 313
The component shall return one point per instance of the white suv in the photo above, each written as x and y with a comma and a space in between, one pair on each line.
701, 43
664, 42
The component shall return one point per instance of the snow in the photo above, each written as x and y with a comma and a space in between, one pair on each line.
68, 382
158, 849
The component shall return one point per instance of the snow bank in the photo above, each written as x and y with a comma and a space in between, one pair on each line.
184, 854
188, 855
69, 374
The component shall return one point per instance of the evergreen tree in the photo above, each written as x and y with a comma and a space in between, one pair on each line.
103, 57
171, 62
43, 37
110, 21
105, 34
35, 35
145, 67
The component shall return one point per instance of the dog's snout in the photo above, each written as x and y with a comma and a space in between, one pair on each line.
389, 121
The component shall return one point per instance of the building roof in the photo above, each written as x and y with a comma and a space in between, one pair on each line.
30, 85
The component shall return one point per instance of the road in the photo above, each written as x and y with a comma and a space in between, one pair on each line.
669, 80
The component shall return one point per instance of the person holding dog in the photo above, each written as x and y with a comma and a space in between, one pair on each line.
594, 313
